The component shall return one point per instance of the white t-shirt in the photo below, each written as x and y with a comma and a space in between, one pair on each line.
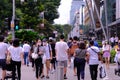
61, 51
93, 59
26, 47
16, 52
106, 48
3, 50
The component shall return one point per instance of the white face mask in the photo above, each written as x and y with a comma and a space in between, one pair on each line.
39, 43
44, 43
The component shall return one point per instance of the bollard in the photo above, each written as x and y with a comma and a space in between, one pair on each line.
60, 72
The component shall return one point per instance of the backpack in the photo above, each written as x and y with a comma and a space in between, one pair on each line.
73, 48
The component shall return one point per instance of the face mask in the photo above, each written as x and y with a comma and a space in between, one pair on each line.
44, 43
39, 43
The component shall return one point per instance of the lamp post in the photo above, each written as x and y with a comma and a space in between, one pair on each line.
12, 22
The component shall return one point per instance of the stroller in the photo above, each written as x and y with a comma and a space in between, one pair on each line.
9, 72
117, 60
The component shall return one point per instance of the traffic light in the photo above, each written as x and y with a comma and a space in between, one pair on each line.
16, 24
8, 23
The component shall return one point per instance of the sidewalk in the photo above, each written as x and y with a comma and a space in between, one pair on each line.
29, 74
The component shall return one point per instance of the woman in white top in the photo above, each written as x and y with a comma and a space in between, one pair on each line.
106, 53
16, 53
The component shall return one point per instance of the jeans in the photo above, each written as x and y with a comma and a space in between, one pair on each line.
93, 71
80, 64
26, 60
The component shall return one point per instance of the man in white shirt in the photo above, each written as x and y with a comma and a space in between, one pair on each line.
61, 48
3, 52
93, 60
26, 48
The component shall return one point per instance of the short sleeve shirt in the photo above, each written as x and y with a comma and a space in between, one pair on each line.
93, 59
3, 50
16, 53
61, 51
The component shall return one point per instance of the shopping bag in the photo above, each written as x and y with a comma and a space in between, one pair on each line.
34, 55
102, 71
44, 59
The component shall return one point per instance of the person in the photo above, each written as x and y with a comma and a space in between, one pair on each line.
117, 60
27, 49
69, 55
3, 53
32, 51
53, 60
16, 52
80, 60
74, 45
61, 49
93, 56
116, 39
112, 41
40, 50
48, 54
106, 53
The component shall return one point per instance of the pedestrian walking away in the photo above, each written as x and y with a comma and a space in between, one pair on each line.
61, 48
93, 60
80, 60
3, 53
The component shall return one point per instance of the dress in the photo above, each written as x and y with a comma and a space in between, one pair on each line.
106, 51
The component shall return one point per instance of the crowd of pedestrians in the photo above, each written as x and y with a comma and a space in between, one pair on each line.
51, 54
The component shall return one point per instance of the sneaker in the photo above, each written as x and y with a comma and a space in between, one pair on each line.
65, 77
42, 76
52, 71
47, 77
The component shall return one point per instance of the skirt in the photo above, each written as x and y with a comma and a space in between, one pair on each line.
106, 54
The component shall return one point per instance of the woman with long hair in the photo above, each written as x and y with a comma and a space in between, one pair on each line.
80, 60
39, 49
106, 53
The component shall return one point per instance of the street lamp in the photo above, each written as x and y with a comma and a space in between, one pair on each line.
12, 22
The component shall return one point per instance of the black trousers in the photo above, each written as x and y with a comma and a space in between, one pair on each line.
93, 71
80, 64
38, 66
16, 65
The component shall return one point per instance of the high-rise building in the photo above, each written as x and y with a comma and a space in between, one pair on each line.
117, 9
76, 17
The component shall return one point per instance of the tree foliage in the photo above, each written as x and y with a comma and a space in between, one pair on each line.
26, 35
28, 13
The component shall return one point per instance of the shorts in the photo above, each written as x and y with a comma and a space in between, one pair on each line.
62, 63
3, 64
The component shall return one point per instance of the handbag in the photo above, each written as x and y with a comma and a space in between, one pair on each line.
34, 55
8, 59
102, 71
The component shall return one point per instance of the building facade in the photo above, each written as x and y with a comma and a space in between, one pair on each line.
76, 17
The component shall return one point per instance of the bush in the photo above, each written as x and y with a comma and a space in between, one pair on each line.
112, 53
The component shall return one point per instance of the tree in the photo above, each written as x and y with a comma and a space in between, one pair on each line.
5, 12
31, 12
